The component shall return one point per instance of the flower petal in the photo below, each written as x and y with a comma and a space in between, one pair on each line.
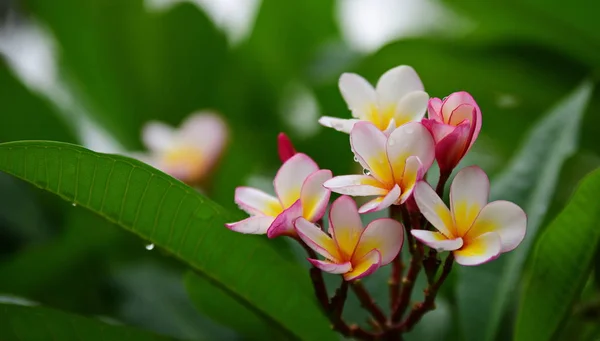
453, 101
290, 177
438, 129
413, 173
338, 124
411, 107
332, 268
368, 144
316, 239
506, 219
356, 185
451, 149
437, 241
158, 136
345, 225
411, 139
285, 148
358, 94
381, 203
283, 225
313, 196
206, 131
365, 266
469, 193
480, 250
434, 109
396, 83
384, 235
252, 225
257, 202
434, 209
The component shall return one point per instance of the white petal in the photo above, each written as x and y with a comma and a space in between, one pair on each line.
316, 239
206, 131
355, 185
381, 203
358, 94
469, 193
332, 268
252, 225
368, 144
257, 202
413, 173
411, 107
411, 139
434, 209
158, 136
506, 219
338, 124
437, 240
313, 196
384, 235
345, 225
396, 83
290, 177
365, 266
480, 250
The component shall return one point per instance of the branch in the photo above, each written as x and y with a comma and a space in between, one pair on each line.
439, 189
368, 303
394, 282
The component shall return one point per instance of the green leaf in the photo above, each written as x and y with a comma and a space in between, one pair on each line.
178, 219
20, 323
530, 180
560, 265
217, 305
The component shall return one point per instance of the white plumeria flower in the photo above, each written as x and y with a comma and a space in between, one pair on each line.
393, 164
473, 229
189, 152
397, 98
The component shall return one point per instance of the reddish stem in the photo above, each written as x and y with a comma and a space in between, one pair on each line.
368, 303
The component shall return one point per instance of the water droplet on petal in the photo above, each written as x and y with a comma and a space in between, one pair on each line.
391, 142
318, 226
366, 172
355, 158
149, 247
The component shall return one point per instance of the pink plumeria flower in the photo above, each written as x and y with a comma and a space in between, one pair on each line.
473, 229
397, 98
300, 193
455, 123
189, 152
393, 164
285, 148
348, 248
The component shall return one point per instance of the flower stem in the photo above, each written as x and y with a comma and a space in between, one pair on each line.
316, 276
395, 280
439, 189
368, 303
407, 286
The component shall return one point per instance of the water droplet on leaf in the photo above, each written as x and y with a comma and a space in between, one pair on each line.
74, 204
149, 247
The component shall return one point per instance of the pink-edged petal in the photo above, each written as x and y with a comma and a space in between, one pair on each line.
506, 219
451, 149
290, 177
356, 185
438, 129
332, 268
461, 113
469, 193
313, 196
397, 83
252, 225
383, 202
413, 173
257, 202
365, 266
480, 250
384, 235
434, 209
434, 109
283, 225
437, 241
368, 144
285, 148
338, 124
411, 107
316, 239
345, 225
158, 136
358, 94
206, 131
411, 139
453, 101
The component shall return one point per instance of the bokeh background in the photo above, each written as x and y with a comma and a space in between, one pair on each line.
92, 72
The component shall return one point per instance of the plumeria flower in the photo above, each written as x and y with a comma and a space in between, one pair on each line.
393, 165
300, 193
348, 248
189, 152
455, 123
473, 229
397, 98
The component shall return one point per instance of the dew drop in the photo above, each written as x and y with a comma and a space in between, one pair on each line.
355, 158
318, 226
366, 172
74, 204
391, 142
149, 247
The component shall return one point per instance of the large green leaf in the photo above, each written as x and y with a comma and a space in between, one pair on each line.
530, 180
26, 323
560, 264
178, 219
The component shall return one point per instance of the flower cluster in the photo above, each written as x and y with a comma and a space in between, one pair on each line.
396, 145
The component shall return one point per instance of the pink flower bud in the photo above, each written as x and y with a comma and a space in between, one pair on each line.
285, 147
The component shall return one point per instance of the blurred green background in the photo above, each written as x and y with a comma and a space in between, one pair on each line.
92, 72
